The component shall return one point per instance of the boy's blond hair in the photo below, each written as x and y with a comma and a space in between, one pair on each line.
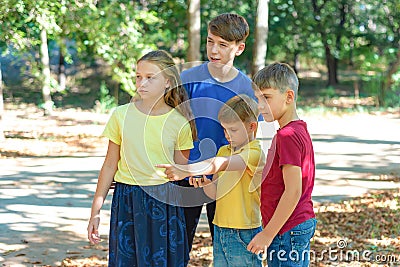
230, 27
240, 107
277, 76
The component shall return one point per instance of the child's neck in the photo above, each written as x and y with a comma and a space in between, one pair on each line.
251, 138
289, 116
222, 73
150, 107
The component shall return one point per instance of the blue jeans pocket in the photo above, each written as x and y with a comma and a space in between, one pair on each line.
230, 247
300, 237
245, 236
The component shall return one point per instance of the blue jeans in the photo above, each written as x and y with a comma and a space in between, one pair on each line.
230, 247
293, 247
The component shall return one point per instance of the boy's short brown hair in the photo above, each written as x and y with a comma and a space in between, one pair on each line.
278, 76
240, 107
230, 27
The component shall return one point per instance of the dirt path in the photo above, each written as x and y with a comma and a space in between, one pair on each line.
45, 201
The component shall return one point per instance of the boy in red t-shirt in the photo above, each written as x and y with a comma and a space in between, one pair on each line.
288, 178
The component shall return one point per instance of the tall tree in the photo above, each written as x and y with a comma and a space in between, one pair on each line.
43, 14
44, 58
260, 36
378, 48
330, 18
9, 33
194, 37
62, 76
117, 37
27, 25
391, 13
291, 32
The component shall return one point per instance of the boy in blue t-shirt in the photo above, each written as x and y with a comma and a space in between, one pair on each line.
209, 86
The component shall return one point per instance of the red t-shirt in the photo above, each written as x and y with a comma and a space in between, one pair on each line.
291, 145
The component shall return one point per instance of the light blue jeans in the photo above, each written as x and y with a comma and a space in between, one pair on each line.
293, 247
230, 247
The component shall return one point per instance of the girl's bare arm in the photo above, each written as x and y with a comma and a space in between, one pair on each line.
105, 179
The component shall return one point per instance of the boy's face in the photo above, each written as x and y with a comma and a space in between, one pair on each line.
239, 133
271, 103
222, 52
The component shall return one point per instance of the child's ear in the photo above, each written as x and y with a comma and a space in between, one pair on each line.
241, 48
253, 126
167, 84
290, 96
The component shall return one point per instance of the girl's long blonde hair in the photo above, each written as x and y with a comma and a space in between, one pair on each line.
175, 96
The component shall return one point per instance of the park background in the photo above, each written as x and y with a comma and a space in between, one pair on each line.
66, 64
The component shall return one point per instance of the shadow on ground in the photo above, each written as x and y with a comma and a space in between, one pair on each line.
44, 214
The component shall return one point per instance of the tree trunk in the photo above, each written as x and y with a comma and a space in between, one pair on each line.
46, 89
62, 77
194, 32
1, 106
261, 35
331, 64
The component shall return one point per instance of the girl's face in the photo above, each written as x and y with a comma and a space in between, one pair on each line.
150, 82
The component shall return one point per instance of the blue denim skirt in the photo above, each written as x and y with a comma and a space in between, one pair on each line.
145, 231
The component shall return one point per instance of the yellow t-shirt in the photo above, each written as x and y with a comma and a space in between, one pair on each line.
238, 192
144, 141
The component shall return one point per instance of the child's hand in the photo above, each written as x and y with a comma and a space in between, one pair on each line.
93, 233
199, 181
172, 172
260, 243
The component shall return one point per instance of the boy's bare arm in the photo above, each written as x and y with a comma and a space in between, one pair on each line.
206, 167
292, 178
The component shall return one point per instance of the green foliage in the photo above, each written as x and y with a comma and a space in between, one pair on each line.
292, 24
106, 101
371, 84
170, 31
328, 92
376, 39
118, 36
363, 36
393, 94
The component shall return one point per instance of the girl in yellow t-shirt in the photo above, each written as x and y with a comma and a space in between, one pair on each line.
146, 228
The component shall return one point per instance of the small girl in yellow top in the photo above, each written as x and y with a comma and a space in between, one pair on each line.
145, 228
236, 183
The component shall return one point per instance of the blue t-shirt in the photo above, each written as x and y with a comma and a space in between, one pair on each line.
207, 96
